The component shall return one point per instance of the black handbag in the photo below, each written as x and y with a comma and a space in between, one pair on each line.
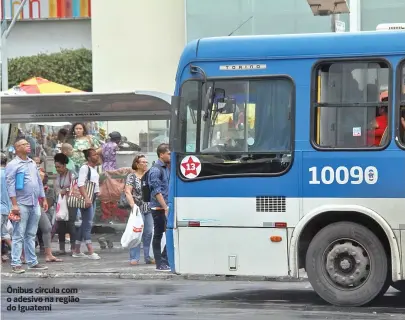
123, 202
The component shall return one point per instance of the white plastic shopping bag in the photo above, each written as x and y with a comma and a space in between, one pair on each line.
133, 232
9, 227
162, 245
62, 212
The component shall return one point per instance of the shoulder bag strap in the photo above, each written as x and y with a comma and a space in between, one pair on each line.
161, 170
88, 174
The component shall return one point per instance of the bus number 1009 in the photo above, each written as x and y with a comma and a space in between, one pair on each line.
343, 175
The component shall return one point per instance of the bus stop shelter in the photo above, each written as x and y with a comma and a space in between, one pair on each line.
82, 107
137, 105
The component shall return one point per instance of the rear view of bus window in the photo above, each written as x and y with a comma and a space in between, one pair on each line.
351, 105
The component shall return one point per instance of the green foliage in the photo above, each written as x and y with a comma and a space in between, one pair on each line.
72, 68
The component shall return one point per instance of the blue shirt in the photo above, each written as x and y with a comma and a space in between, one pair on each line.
5, 199
33, 187
159, 183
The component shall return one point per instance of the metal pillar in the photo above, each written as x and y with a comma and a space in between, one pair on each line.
4, 56
355, 15
333, 18
333, 22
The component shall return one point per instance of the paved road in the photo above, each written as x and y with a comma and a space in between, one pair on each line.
180, 299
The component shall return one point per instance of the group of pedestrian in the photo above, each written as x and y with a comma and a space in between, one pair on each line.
24, 203
23, 200
64, 178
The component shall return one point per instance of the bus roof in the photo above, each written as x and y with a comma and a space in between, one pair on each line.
317, 45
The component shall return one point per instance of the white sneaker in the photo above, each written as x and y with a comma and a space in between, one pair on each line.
78, 255
93, 256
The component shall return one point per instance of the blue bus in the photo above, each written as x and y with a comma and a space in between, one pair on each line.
289, 156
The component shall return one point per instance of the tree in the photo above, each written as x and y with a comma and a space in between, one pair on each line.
72, 68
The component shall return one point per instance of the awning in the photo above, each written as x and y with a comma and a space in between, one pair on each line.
71, 107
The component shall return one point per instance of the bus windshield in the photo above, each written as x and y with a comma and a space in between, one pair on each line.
248, 116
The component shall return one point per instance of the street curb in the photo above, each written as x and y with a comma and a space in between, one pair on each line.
240, 278
146, 276
92, 275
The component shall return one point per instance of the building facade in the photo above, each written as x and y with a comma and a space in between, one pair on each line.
258, 17
136, 46
47, 26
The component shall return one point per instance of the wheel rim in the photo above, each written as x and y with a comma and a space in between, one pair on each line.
347, 264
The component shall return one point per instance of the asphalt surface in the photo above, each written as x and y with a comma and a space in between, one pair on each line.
182, 299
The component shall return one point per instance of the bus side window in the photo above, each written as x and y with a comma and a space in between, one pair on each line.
349, 112
401, 94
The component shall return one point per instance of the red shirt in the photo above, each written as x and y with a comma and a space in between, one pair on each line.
374, 136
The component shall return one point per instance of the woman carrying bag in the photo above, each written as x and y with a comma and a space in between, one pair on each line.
65, 216
89, 189
133, 192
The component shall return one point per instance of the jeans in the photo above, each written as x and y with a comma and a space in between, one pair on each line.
159, 221
4, 221
84, 231
135, 253
24, 233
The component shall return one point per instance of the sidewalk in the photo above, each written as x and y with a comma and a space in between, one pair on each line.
114, 263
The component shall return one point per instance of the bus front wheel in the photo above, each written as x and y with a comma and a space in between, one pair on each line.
346, 264
399, 285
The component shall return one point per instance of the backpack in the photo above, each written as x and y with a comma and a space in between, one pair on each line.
145, 187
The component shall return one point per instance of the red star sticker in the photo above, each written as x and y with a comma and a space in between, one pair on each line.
190, 166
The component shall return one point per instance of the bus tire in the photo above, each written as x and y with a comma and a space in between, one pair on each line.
346, 264
399, 285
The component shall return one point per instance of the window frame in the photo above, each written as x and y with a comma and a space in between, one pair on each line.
314, 93
180, 147
180, 154
400, 73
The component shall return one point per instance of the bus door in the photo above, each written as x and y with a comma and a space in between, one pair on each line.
400, 119
233, 197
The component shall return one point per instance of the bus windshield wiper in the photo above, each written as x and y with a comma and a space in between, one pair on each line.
207, 102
